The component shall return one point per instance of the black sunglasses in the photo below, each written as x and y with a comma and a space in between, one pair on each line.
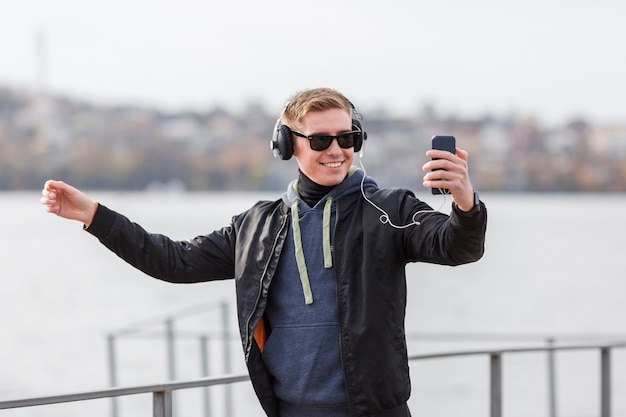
321, 142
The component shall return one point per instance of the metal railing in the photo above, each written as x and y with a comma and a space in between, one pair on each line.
495, 362
162, 393
165, 328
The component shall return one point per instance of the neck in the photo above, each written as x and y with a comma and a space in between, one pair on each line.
310, 191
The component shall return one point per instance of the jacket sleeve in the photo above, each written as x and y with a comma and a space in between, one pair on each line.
466, 234
449, 240
204, 258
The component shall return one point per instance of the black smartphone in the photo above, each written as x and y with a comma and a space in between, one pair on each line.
444, 143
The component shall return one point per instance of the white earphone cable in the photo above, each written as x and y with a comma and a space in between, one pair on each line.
384, 217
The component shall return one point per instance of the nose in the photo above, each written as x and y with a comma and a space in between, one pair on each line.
334, 147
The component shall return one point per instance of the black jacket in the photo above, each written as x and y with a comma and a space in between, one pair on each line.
369, 261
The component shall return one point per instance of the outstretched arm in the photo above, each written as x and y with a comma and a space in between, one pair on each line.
68, 202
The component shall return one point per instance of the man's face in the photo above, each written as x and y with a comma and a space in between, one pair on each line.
330, 166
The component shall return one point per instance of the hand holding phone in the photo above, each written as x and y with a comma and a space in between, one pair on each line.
444, 143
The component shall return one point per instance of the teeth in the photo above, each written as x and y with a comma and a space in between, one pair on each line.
333, 164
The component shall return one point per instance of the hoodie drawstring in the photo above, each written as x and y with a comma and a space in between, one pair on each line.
328, 258
299, 251
297, 240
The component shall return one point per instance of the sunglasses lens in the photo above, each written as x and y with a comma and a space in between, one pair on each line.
346, 140
319, 143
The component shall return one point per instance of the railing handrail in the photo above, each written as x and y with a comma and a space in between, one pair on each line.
162, 392
122, 391
531, 349
512, 336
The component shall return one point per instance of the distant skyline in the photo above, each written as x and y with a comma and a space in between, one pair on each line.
553, 59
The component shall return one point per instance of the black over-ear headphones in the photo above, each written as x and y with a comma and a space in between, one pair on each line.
282, 139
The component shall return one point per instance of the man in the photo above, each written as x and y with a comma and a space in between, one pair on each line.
319, 273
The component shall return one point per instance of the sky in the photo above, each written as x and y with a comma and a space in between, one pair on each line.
552, 59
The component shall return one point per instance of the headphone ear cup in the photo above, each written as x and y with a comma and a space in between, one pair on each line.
282, 143
358, 144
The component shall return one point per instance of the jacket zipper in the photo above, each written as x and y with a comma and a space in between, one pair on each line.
339, 325
258, 297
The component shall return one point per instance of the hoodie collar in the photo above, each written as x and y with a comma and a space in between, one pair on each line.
349, 185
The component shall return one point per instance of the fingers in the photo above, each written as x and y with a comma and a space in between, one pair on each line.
462, 154
49, 201
52, 185
443, 178
50, 195
443, 160
447, 170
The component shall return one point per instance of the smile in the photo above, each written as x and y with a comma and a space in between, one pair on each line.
333, 164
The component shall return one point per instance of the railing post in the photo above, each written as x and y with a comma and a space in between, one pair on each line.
204, 354
228, 396
496, 384
171, 355
551, 378
605, 382
112, 373
162, 403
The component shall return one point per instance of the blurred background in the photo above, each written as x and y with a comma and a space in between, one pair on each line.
164, 111
136, 94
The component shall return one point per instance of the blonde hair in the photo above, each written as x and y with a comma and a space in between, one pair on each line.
316, 99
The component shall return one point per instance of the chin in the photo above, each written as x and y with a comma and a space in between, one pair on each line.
331, 180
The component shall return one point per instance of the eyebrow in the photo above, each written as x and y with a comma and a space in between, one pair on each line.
328, 134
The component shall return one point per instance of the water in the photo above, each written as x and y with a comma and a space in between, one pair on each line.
554, 264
